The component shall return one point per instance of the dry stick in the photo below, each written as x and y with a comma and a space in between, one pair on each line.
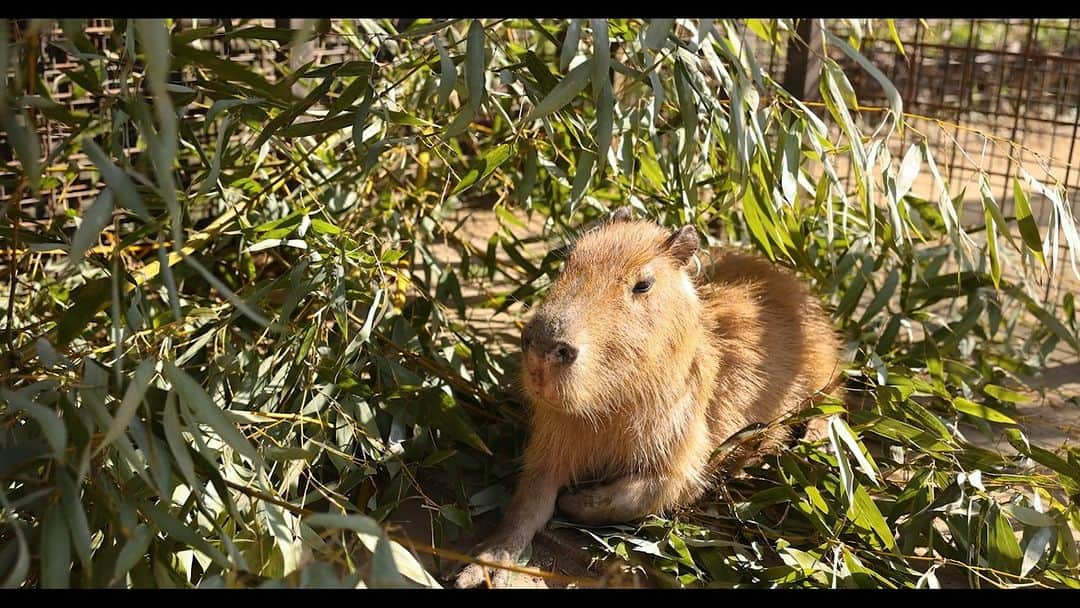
952, 562
13, 273
16, 206
453, 555
461, 557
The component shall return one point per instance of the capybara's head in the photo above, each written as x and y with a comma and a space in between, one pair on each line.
620, 318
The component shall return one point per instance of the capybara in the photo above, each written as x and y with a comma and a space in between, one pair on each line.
640, 363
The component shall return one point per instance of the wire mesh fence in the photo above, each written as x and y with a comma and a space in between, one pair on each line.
988, 95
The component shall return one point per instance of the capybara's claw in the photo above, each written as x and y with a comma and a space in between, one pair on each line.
475, 575
471, 576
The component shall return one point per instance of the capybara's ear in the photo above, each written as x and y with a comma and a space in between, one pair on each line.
682, 244
622, 214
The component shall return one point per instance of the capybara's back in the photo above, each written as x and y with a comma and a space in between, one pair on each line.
777, 348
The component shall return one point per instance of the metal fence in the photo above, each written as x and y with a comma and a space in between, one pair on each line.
987, 94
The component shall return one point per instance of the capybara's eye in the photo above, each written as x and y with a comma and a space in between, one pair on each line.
643, 285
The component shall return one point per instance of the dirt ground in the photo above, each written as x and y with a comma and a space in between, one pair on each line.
1051, 420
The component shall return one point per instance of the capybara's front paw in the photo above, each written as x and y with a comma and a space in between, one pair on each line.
474, 575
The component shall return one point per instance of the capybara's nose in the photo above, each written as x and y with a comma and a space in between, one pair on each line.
541, 337
564, 353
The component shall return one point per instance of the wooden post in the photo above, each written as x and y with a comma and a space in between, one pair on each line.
803, 64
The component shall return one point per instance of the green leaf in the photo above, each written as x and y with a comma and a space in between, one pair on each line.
154, 38
361, 524
441, 411
133, 397
55, 550
1029, 517
1003, 394
687, 103
1048, 320
855, 289
980, 411
566, 90
133, 551
1029, 231
991, 248
120, 183
1044, 457
760, 226
384, 570
990, 205
77, 523
605, 107
570, 44
601, 56
539, 70
1003, 552
841, 430
909, 170
51, 427
360, 69
657, 32
321, 227
229, 295
866, 512
185, 534
196, 398
447, 73
896, 36
316, 127
226, 70
528, 176
1035, 549
26, 147
847, 477
177, 445
287, 117
487, 164
582, 175
475, 64
19, 569
462, 121
227, 104
5, 55
882, 297
896, 104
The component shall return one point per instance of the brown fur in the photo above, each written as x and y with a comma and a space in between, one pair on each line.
660, 379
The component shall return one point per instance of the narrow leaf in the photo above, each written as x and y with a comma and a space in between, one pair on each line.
570, 44
1029, 230
133, 397
120, 183
51, 427
567, 89
657, 32
196, 398
55, 550
979, 410
447, 73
